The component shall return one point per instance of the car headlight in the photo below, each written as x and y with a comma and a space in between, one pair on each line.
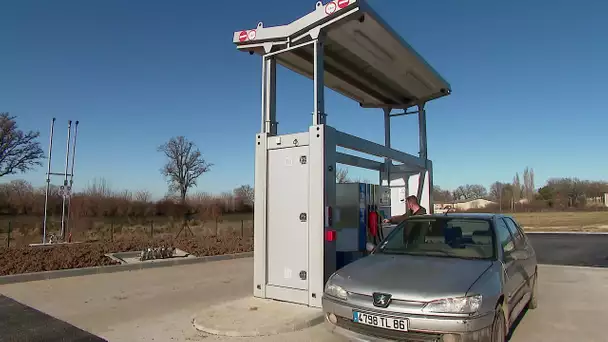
335, 291
464, 305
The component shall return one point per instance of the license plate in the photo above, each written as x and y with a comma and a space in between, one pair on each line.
380, 321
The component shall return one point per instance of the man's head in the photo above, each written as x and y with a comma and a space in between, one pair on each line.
412, 202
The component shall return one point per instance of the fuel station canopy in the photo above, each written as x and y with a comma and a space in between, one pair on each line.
364, 58
343, 45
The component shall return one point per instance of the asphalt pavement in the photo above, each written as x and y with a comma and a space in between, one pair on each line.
571, 249
19, 322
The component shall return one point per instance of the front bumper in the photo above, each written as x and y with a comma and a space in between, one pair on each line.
420, 328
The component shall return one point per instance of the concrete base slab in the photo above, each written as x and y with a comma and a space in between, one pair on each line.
134, 257
250, 316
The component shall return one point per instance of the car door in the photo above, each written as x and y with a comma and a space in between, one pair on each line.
512, 270
527, 255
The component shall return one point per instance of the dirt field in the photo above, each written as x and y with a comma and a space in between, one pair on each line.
35, 259
588, 221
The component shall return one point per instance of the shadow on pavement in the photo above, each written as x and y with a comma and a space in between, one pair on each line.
19, 322
516, 323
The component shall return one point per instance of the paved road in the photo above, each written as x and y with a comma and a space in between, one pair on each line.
571, 249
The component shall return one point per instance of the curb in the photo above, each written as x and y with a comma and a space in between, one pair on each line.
75, 272
591, 268
582, 232
255, 333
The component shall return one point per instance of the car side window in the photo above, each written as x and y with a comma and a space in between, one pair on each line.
518, 236
504, 237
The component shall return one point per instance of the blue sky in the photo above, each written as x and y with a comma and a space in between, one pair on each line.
527, 82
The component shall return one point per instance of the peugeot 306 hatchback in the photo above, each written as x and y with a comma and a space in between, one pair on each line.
451, 278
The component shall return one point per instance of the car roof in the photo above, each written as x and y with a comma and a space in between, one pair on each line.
479, 216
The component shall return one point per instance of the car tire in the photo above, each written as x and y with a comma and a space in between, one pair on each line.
533, 303
499, 333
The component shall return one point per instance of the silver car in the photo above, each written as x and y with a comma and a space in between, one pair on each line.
452, 277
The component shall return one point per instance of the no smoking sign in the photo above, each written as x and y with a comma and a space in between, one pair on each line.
247, 35
343, 3
331, 7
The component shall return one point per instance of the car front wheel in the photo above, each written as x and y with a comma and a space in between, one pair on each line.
499, 333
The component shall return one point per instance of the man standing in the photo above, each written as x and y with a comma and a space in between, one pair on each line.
413, 208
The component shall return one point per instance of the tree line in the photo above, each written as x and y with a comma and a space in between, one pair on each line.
520, 192
19, 197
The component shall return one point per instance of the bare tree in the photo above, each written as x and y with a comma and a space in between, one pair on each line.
99, 188
442, 196
342, 175
470, 192
571, 190
143, 196
517, 188
496, 191
185, 164
19, 151
528, 186
245, 194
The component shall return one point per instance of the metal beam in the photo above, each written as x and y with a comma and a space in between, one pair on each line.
358, 144
392, 106
403, 168
404, 113
347, 159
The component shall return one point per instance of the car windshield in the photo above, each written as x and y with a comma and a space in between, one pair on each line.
466, 238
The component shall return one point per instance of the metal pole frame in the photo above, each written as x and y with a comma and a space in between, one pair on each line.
48, 182
65, 179
67, 222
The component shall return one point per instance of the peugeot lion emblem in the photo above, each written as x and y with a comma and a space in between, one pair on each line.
381, 300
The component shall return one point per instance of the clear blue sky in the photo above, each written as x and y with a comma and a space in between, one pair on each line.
527, 79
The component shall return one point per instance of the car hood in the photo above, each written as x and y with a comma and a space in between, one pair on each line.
412, 278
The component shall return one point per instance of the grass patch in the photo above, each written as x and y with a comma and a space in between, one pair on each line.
560, 220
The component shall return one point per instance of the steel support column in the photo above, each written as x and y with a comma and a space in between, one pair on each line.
319, 116
269, 95
387, 142
423, 150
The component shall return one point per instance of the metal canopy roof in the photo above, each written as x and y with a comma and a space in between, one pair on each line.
364, 58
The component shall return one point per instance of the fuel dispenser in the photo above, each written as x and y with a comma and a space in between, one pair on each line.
362, 208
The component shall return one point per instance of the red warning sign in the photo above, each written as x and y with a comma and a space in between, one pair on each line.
243, 36
330, 8
343, 3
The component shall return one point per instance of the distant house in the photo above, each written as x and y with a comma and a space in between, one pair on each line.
478, 203
598, 201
